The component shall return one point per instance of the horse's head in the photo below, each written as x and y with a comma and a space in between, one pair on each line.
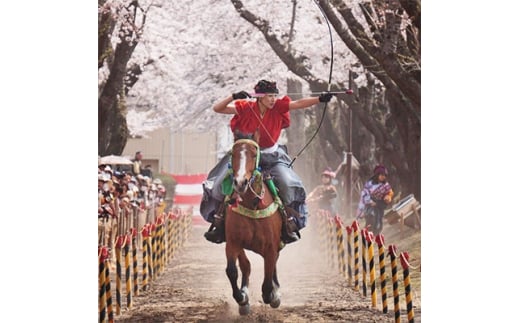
244, 160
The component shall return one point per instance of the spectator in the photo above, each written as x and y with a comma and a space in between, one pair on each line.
137, 163
326, 193
376, 196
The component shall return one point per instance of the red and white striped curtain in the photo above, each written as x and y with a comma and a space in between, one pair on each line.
188, 191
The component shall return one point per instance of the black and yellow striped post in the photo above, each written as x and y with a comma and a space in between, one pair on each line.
157, 252
166, 226
380, 240
355, 229
341, 246
169, 228
102, 297
133, 233
162, 241
110, 310
160, 244
405, 257
187, 225
128, 277
349, 254
156, 257
120, 240
372, 268
364, 232
392, 251
172, 234
189, 217
322, 231
150, 246
153, 254
177, 231
332, 236
144, 236
182, 231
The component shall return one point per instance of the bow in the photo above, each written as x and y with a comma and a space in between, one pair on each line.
329, 82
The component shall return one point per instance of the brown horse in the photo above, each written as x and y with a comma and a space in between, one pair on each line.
253, 222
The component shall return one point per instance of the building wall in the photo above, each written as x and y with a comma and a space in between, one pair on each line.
175, 152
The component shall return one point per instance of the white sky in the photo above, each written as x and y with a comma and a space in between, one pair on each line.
49, 131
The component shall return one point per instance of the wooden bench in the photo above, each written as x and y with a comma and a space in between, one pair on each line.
405, 212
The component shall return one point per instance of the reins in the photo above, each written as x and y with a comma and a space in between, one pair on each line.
241, 209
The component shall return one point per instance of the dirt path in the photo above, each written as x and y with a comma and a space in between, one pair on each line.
194, 288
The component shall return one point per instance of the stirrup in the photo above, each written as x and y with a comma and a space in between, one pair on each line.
288, 237
216, 232
290, 233
215, 236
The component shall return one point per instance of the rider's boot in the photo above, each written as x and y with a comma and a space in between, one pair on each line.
216, 232
290, 231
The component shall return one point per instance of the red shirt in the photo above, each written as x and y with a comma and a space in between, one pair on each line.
248, 119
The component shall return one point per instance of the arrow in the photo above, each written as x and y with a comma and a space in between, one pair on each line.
347, 91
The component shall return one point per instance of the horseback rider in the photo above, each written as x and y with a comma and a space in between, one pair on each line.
268, 115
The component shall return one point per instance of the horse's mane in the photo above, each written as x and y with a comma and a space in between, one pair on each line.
241, 135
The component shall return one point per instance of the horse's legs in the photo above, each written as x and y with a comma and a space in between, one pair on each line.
240, 296
275, 279
245, 268
270, 284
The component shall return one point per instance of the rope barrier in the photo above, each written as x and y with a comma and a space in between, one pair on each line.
380, 240
160, 239
368, 261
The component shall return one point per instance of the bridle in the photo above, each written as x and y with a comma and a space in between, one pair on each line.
242, 186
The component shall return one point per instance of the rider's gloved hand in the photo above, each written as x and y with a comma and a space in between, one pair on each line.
325, 97
241, 95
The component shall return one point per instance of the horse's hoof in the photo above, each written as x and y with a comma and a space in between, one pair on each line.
275, 303
245, 298
244, 309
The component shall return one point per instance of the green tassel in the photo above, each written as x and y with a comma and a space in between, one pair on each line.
227, 184
271, 186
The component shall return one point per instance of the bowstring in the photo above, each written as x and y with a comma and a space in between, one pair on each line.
328, 87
